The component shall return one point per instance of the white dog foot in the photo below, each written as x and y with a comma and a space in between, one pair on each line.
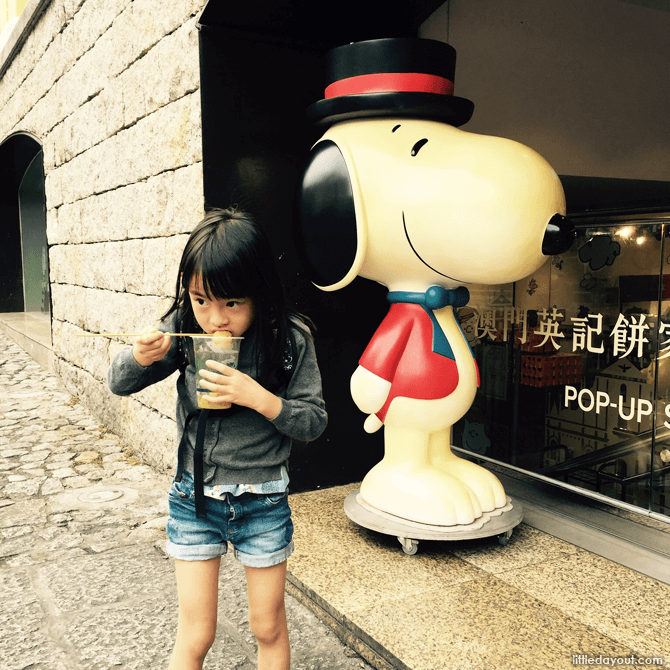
484, 484
424, 495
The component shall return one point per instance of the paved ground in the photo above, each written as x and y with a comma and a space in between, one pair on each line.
84, 581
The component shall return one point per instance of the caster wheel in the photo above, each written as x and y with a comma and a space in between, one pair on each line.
410, 547
504, 538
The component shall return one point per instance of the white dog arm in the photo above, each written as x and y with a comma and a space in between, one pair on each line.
368, 390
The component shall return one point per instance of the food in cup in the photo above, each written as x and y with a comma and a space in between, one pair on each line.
221, 347
222, 339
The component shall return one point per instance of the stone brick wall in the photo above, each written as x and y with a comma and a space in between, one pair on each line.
111, 89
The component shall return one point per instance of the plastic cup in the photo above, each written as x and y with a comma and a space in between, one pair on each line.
224, 350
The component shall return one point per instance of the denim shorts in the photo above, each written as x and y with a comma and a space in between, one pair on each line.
258, 526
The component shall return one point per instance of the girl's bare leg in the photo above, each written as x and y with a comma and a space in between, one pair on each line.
267, 615
198, 589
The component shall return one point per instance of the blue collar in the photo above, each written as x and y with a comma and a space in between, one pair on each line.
435, 297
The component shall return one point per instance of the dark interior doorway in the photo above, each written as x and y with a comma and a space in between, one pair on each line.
34, 248
24, 271
261, 66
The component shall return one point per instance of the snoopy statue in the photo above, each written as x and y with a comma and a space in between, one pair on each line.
395, 192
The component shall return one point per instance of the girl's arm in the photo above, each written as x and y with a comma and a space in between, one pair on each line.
128, 373
233, 386
303, 412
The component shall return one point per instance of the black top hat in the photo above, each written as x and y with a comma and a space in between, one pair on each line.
391, 77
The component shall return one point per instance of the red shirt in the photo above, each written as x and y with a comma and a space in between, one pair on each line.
401, 352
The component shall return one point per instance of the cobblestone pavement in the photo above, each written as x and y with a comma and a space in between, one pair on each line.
84, 581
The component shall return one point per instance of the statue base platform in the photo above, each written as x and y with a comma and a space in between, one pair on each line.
500, 523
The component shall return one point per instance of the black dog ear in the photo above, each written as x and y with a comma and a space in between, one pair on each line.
326, 235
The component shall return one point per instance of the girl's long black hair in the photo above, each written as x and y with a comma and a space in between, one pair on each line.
232, 255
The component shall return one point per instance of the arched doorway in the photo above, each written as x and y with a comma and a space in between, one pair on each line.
34, 248
25, 298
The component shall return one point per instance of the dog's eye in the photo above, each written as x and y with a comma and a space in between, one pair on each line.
417, 147
395, 128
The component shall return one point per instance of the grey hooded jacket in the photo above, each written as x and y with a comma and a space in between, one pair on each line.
241, 446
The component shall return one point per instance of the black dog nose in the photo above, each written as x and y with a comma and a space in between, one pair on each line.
558, 236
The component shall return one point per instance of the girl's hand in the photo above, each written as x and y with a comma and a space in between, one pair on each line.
231, 385
151, 347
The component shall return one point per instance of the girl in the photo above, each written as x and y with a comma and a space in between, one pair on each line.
236, 457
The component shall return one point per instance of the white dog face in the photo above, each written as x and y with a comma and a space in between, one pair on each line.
434, 204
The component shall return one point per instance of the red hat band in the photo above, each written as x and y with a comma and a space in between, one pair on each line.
409, 77
386, 82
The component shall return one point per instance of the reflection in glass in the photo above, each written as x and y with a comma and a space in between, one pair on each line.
575, 367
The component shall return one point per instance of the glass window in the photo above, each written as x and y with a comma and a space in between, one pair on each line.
575, 366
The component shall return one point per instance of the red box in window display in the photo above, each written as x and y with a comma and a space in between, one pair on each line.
533, 344
555, 370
